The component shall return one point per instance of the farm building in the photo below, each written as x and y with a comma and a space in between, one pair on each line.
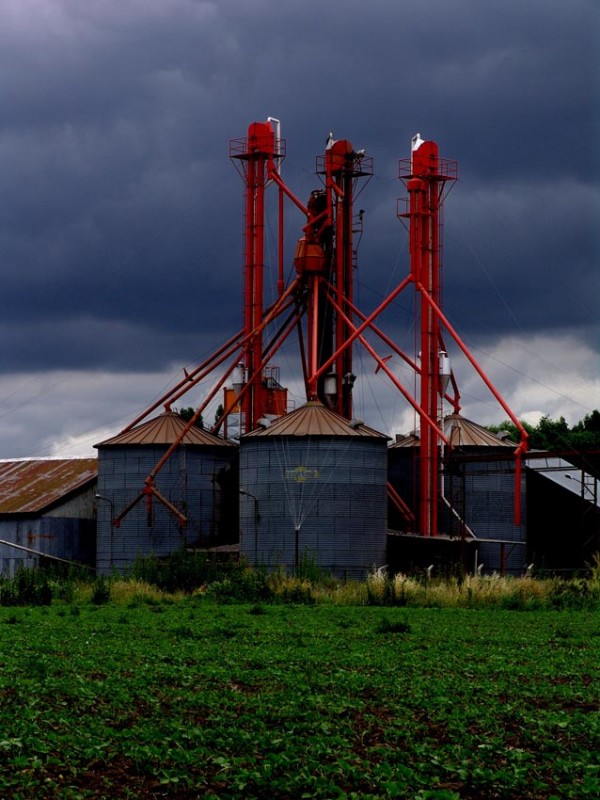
314, 483
563, 520
477, 500
199, 481
314, 486
47, 512
559, 528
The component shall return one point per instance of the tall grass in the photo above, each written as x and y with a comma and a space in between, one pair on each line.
192, 575
483, 591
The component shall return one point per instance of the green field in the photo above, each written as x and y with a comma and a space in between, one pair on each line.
194, 699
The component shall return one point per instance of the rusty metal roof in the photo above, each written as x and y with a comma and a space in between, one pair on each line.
165, 430
461, 432
31, 486
314, 419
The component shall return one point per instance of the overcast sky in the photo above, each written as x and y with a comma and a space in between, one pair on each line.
121, 215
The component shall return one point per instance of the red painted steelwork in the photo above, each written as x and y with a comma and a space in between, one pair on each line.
400, 504
522, 446
325, 257
425, 187
189, 379
257, 156
382, 364
261, 145
322, 291
424, 219
426, 179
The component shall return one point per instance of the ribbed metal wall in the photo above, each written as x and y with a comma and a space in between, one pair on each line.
402, 476
486, 498
482, 493
70, 539
331, 490
196, 480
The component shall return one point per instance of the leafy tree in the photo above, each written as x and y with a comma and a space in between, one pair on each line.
550, 434
510, 428
587, 432
219, 413
187, 413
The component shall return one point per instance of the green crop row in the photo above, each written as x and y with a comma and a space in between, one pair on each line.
186, 697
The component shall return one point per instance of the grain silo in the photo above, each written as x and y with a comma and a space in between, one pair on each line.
477, 497
199, 480
313, 486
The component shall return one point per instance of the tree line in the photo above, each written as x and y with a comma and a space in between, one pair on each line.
552, 434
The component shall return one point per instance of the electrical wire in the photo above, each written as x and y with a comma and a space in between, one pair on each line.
519, 327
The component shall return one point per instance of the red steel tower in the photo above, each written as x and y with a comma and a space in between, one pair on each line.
325, 258
426, 183
257, 157
317, 305
427, 177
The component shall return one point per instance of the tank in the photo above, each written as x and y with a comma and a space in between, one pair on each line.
478, 497
199, 479
313, 489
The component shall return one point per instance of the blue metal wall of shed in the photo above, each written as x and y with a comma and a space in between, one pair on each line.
69, 539
482, 493
333, 490
486, 501
190, 480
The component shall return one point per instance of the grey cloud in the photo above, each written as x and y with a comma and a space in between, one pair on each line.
121, 218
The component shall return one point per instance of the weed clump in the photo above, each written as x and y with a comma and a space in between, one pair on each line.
574, 594
394, 626
29, 587
101, 592
182, 571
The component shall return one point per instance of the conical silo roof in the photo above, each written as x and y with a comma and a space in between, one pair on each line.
165, 429
315, 419
461, 432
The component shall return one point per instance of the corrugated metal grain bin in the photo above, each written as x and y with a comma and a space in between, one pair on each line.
483, 492
199, 479
479, 492
313, 486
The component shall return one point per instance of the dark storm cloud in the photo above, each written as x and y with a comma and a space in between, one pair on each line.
532, 248
121, 218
